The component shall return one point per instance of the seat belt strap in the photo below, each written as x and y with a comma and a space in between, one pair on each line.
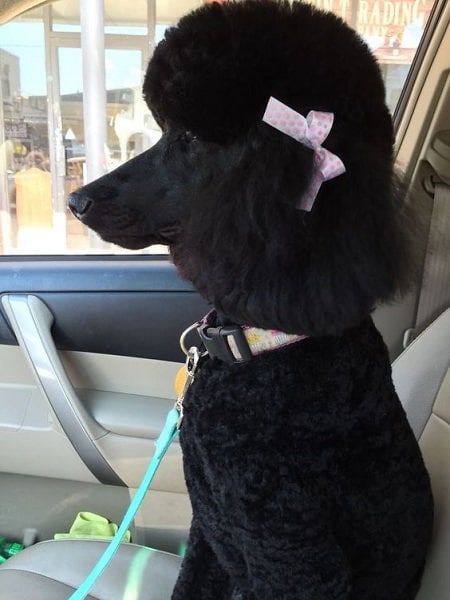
435, 290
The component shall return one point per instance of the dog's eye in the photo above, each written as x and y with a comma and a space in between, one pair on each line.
189, 137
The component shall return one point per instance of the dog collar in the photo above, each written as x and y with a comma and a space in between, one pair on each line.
239, 343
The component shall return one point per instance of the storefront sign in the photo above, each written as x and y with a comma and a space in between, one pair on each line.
375, 17
16, 130
393, 28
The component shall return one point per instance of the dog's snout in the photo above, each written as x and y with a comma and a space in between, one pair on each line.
79, 203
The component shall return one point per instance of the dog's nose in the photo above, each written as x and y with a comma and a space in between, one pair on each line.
79, 203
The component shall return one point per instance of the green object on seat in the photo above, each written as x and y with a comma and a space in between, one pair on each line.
8, 549
88, 525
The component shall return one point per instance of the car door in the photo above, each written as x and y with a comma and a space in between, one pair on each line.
89, 351
89, 336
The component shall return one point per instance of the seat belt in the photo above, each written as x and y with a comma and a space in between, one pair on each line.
435, 290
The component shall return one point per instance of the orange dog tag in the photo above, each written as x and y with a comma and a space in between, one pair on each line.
180, 381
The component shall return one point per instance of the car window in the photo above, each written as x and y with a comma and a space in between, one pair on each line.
43, 142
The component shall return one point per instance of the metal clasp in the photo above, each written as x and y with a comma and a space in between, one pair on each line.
183, 341
193, 357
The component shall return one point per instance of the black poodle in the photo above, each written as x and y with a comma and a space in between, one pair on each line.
305, 478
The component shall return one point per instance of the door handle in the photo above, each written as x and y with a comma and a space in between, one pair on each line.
32, 321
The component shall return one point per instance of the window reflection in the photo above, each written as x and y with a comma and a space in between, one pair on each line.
25, 179
41, 164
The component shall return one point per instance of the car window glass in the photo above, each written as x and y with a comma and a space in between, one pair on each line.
43, 141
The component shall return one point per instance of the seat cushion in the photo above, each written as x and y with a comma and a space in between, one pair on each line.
435, 446
419, 371
53, 570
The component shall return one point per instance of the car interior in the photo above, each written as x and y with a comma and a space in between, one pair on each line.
89, 349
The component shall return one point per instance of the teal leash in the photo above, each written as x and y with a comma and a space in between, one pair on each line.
168, 434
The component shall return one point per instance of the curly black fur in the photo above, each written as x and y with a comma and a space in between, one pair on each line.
305, 477
316, 273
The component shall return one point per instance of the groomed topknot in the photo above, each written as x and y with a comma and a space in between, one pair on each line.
246, 246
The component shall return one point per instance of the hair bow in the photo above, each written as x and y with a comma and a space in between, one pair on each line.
310, 132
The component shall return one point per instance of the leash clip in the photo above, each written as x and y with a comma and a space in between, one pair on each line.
185, 333
193, 357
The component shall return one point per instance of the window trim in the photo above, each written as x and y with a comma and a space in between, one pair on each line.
14, 258
419, 58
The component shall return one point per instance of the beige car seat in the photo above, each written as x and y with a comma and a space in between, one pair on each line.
53, 570
422, 379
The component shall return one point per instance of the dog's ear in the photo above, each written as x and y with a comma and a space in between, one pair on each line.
261, 260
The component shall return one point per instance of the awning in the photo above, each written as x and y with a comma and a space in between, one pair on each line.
9, 9
167, 11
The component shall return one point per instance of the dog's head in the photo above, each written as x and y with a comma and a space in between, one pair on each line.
222, 187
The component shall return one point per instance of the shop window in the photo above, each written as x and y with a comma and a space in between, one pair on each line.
25, 179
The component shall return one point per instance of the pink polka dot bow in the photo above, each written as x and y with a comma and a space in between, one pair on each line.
310, 132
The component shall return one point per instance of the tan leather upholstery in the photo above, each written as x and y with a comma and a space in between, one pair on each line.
418, 372
53, 570
435, 445
422, 379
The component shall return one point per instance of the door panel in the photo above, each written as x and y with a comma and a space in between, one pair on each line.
32, 322
130, 398
32, 440
116, 328
120, 397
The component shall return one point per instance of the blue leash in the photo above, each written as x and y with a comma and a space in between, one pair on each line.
168, 434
